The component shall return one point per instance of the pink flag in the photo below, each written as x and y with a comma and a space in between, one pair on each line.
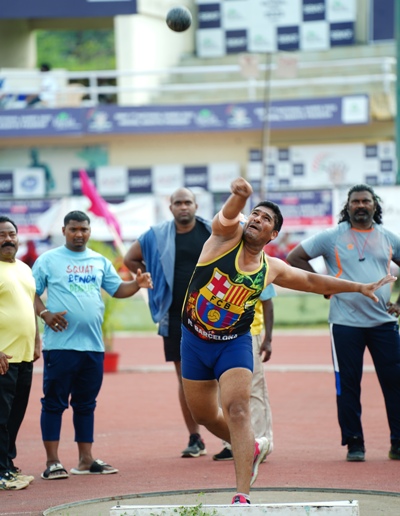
99, 206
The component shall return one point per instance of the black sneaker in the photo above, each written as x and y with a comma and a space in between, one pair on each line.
196, 447
394, 452
356, 449
225, 454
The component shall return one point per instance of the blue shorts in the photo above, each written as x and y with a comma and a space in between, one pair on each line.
205, 360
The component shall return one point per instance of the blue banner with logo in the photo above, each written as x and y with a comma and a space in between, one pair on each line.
239, 116
303, 209
62, 9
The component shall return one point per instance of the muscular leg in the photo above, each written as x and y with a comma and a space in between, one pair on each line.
191, 424
235, 387
202, 400
232, 422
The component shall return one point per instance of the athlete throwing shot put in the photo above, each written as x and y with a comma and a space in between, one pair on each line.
217, 313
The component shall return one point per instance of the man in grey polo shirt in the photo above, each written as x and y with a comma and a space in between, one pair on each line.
360, 249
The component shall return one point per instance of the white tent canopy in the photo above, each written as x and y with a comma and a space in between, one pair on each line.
134, 216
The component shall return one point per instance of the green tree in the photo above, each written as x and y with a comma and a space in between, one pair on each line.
76, 50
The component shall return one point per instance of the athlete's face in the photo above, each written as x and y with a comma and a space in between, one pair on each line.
361, 208
8, 242
260, 224
183, 206
76, 235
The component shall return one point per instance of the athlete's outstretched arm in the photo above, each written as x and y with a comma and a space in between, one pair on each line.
296, 279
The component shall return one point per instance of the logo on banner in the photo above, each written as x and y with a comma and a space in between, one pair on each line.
288, 38
65, 122
6, 182
209, 16
221, 302
207, 118
29, 183
238, 116
342, 34
314, 11
99, 121
236, 41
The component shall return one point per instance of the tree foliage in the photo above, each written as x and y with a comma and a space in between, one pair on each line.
76, 50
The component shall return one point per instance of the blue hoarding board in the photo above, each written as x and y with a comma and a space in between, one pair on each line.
62, 9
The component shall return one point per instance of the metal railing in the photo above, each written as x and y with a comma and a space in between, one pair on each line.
87, 85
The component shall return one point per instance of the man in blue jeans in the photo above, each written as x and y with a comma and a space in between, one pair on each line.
360, 249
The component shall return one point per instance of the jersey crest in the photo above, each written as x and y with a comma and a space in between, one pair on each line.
220, 303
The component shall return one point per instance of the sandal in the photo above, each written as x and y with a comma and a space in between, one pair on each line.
54, 472
98, 467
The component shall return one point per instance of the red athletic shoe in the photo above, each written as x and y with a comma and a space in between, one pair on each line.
240, 499
261, 450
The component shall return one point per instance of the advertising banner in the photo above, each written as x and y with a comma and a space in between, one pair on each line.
237, 116
42, 122
23, 183
305, 209
382, 20
234, 26
319, 166
25, 213
60, 9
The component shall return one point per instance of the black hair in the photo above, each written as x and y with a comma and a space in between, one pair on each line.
79, 216
277, 213
44, 67
344, 214
4, 218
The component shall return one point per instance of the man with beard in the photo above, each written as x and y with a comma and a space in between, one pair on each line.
169, 251
360, 249
216, 346
19, 348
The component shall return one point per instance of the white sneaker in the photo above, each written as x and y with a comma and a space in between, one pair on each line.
261, 450
10, 483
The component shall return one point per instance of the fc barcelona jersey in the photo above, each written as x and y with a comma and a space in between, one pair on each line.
220, 299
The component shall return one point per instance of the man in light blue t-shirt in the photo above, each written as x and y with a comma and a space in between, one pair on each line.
360, 249
73, 349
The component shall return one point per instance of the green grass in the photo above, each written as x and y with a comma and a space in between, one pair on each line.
292, 310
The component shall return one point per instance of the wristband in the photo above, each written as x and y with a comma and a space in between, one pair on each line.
228, 222
43, 312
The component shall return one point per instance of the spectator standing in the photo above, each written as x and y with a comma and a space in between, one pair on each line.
48, 89
73, 348
19, 348
360, 249
169, 251
30, 255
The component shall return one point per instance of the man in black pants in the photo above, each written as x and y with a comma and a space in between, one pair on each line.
169, 251
359, 248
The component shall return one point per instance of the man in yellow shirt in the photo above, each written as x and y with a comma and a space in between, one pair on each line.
19, 348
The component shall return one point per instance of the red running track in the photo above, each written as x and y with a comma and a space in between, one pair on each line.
140, 430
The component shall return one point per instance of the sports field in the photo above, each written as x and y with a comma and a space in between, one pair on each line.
291, 309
